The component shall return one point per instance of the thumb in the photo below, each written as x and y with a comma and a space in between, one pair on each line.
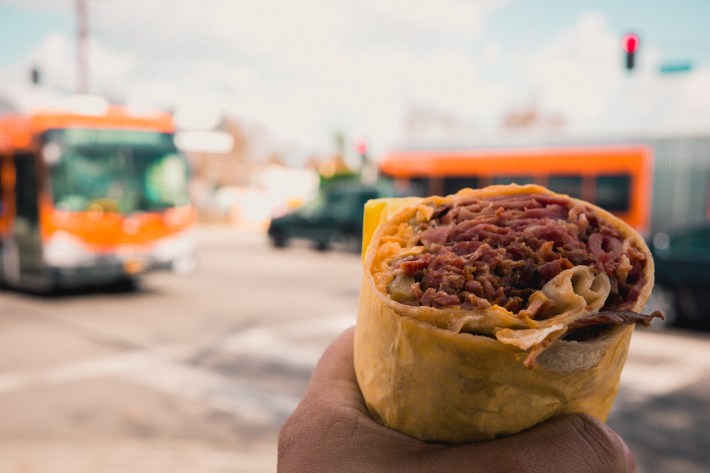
574, 443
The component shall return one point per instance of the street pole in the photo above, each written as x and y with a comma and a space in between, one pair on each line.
82, 48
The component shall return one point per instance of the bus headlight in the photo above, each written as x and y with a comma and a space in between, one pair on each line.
65, 250
179, 250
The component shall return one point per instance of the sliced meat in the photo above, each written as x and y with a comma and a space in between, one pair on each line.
594, 325
500, 250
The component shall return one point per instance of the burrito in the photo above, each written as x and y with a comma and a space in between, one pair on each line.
486, 312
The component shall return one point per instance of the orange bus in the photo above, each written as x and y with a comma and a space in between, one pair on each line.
618, 179
91, 198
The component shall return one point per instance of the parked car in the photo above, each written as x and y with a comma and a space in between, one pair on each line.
682, 289
333, 217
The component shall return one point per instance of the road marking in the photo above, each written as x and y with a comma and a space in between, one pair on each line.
162, 368
286, 345
268, 345
649, 381
331, 325
74, 371
160, 372
660, 363
263, 342
215, 390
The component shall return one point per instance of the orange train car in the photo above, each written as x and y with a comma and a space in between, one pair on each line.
91, 197
617, 178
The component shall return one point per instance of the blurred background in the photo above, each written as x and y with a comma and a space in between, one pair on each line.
181, 192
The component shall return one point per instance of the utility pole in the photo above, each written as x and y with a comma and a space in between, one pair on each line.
82, 48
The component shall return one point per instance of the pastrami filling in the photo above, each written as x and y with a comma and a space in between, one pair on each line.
501, 250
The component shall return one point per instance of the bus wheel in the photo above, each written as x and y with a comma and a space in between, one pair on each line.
127, 284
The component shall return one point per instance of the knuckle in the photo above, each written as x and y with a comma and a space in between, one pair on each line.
600, 441
598, 436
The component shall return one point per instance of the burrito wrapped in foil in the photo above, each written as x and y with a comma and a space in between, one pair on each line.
489, 311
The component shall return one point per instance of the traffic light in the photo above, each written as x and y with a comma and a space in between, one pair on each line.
361, 148
35, 75
630, 44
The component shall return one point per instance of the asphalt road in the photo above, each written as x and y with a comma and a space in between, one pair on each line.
196, 374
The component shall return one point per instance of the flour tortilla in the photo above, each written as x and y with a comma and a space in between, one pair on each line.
456, 376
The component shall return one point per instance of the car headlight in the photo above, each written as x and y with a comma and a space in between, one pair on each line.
65, 250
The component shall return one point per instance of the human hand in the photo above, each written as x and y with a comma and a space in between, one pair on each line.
331, 431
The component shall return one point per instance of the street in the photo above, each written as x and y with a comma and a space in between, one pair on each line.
197, 373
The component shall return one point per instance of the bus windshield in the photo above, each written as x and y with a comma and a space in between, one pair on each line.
123, 171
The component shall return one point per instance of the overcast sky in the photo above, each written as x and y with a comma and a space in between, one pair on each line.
303, 69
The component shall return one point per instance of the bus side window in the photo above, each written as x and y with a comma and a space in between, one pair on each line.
26, 188
453, 184
522, 180
419, 186
568, 184
613, 192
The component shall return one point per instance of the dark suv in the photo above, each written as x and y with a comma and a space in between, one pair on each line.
682, 289
335, 216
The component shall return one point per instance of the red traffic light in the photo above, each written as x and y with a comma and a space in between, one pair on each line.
630, 43
361, 147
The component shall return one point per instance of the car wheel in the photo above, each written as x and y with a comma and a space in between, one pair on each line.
702, 301
353, 242
321, 245
278, 240
690, 302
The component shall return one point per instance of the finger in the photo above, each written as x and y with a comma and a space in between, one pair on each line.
333, 379
332, 397
566, 444
332, 422
336, 362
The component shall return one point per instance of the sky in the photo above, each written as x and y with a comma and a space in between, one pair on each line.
387, 72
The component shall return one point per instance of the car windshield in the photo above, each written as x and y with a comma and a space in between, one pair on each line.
313, 207
122, 171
